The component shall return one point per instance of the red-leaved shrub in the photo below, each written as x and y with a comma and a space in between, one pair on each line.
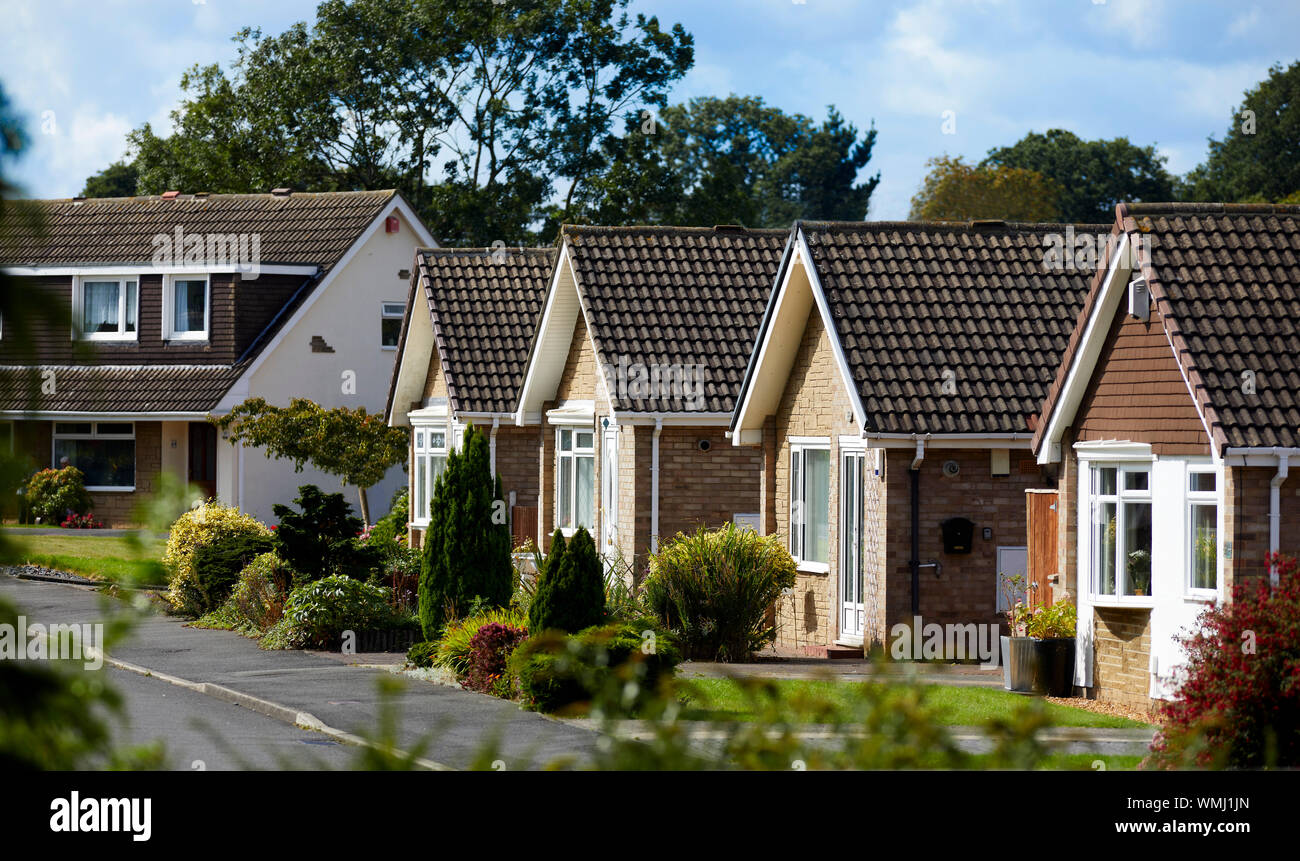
1239, 703
489, 649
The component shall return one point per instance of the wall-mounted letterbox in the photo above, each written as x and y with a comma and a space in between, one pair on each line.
957, 534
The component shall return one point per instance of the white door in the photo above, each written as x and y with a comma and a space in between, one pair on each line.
852, 614
609, 494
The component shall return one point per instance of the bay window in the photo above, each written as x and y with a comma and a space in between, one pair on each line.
1121, 530
1203, 530
810, 495
430, 453
103, 451
106, 308
575, 483
185, 307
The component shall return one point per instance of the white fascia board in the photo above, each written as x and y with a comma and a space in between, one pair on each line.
941, 440
242, 385
828, 322
1085, 358
686, 419
543, 327
151, 269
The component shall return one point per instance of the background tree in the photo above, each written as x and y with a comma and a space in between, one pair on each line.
956, 191
1258, 159
1091, 176
357, 447
733, 160
119, 179
465, 558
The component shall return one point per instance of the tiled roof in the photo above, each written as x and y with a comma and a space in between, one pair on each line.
675, 296
301, 228
948, 328
484, 304
1226, 278
115, 389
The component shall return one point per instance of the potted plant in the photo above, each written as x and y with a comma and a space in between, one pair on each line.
1017, 647
1139, 572
1052, 631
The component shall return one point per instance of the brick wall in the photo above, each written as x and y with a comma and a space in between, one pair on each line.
704, 488
1122, 655
517, 453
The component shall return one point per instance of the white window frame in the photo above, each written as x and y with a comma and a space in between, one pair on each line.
1192, 499
384, 314
55, 436
424, 453
799, 446
1122, 467
78, 304
169, 307
574, 454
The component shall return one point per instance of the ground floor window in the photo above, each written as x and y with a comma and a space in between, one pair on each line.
575, 484
1121, 525
810, 496
430, 452
1203, 529
103, 451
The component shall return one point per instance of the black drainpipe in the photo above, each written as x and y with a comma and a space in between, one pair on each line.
916, 542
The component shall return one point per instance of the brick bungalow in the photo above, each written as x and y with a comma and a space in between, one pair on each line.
462, 363
177, 307
889, 395
1173, 424
632, 378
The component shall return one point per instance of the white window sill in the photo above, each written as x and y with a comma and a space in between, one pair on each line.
187, 339
122, 338
387, 349
111, 489
1111, 602
813, 567
1201, 597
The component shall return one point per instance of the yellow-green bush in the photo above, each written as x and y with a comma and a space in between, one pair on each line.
200, 526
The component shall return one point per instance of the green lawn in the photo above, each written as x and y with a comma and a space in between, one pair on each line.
100, 557
814, 701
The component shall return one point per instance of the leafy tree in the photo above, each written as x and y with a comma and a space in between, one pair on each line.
475, 110
357, 447
571, 590
733, 161
119, 179
466, 553
1091, 176
956, 191
1258, 159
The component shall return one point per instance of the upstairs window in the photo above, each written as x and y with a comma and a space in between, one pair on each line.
185, 307
105, 308
390, 324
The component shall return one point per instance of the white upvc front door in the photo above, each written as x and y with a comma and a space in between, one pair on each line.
852, 613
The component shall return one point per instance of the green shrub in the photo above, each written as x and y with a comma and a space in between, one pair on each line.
217, 565
571, 590
317, 613
466, 552
258, 599
630, 658
53, 493
200, 526
321, 539
489, 650
421, 654
391, 528
713, 589
454, 646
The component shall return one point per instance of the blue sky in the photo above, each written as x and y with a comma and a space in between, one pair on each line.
1160, 72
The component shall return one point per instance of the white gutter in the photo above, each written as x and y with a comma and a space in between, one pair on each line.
1275, 512
654, 486
492, 446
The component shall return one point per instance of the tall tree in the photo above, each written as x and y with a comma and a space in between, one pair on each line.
1091, 175
955, 191
476, 110
734, 160
119, 179
1259, 156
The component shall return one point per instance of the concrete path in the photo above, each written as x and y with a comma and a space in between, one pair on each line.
457, 724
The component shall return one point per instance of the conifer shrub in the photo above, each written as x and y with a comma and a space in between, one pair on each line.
570, 592
321, 537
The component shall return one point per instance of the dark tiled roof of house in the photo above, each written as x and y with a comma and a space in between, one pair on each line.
484, 304
299, 228
678, 297
115, 389
948, 328
1226, 278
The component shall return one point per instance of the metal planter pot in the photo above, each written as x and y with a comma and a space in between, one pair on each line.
1021, 669
1055, 658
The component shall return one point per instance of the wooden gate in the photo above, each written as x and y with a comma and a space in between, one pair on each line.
1041, 517
523, 522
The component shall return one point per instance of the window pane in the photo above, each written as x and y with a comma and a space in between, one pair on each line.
586, 491
421, 496
419, 440
389, 331
71, 428
394, 309
437, 439
188, 300
566, 440
114, 429
99, 306
817, 481
566, 492
584, 439
132, 304
1103, 548
438, 466
796, 507
104, 462
1137, 547
1106, 481
1202, 482
1136, 480
1205, 546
